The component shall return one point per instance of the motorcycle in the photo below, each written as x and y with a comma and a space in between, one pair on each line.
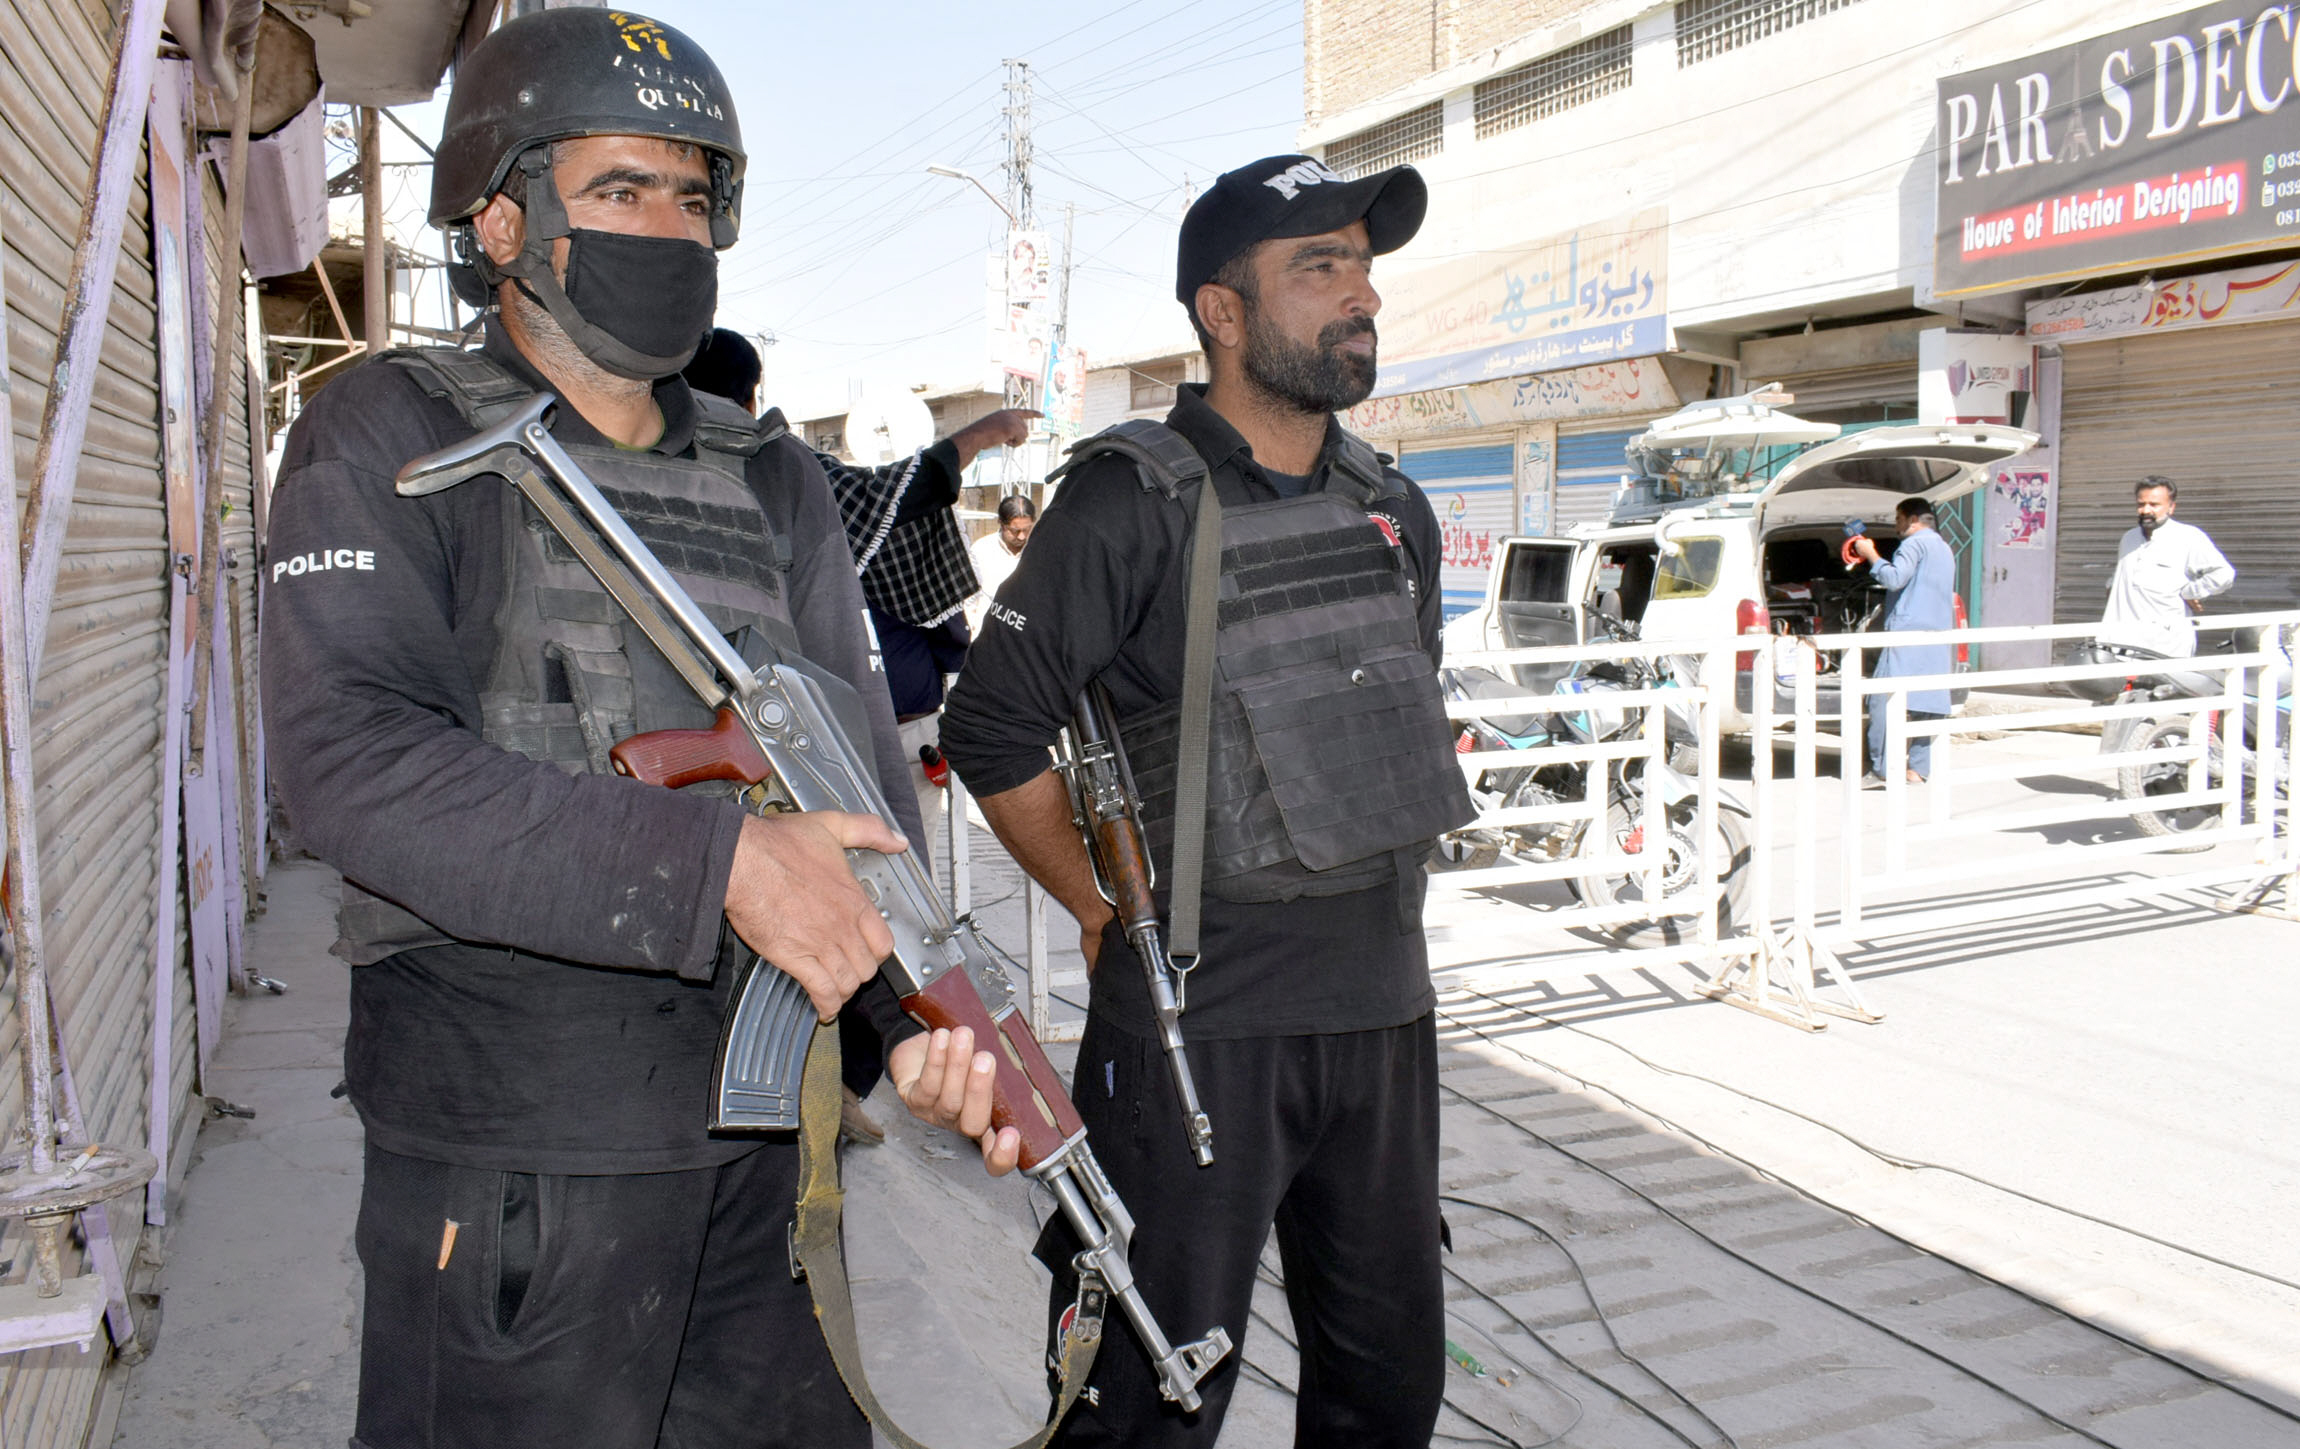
2160, 678
1588, 720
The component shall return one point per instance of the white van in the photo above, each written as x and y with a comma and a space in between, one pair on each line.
1732, 524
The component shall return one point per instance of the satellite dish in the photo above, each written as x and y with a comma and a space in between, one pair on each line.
886, 425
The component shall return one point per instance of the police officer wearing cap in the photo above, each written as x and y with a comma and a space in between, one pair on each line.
1309, 1016
556, 1250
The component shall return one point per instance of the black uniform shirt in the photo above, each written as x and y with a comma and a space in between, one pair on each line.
1101, 591
572, 1028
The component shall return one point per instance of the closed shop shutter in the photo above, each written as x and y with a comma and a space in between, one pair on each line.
1881, 392
2215, 410
97, 706
1590, 467
1474, 491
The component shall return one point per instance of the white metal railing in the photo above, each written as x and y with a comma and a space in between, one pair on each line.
1907, 857
1573, 780
1941, 841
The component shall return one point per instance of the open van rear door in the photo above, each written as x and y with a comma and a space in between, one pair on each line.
1865, 474
1536, 601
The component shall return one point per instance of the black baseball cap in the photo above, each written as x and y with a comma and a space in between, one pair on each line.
1281, 196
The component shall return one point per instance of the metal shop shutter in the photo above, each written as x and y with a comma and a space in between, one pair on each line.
1891, 385
2217, 410
1590, 466
97, 704
1474, 490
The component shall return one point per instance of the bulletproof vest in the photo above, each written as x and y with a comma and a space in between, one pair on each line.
572, 676
1331, 761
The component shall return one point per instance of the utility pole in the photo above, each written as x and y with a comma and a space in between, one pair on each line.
1020, 214
1062, 315
1018, 204
375, 276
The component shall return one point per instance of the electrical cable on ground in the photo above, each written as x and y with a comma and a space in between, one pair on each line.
1269, 1274
1891, 1159
1499, 1439
1603, 1322
1787, 1282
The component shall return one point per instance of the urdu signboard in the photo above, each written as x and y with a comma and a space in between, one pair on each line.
1598, 294
2171, 140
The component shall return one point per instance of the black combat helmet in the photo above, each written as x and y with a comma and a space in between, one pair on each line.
583, 72
555, 76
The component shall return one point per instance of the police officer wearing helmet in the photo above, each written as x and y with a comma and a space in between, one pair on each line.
1309, 1017
556, 1249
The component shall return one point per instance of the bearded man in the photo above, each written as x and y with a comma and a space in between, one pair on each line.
1327, 771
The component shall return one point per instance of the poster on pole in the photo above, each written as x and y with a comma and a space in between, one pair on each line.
1029, 267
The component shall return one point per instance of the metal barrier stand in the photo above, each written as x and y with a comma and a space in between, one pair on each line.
1779, 978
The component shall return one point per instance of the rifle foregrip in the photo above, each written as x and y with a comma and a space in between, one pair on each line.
1126, 866
678, 758
1028, 1094
763, 1053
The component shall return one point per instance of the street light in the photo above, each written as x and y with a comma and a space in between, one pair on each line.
970, 179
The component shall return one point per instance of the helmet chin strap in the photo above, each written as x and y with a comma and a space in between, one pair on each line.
531, 273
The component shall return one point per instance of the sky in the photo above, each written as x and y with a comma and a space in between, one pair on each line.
860, 264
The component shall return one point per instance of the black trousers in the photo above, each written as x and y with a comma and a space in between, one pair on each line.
649, 1311
1332, 1139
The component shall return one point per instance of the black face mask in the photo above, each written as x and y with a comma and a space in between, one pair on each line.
638, 306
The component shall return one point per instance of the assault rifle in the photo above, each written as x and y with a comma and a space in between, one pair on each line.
1107, 810
780, 723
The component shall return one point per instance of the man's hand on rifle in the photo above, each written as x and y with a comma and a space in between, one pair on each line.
793, 899
946, 1082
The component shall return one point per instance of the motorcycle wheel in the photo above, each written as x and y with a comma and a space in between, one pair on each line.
2140, 782
1682, 866
1453, 853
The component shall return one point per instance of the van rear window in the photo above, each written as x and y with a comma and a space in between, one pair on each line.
1536, 575
1690, 572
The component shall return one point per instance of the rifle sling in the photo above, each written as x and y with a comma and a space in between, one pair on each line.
815, 1246
1196, 726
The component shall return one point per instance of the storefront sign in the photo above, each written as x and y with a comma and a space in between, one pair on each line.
2175, 139
1599, 294
2215, 299
1636, 385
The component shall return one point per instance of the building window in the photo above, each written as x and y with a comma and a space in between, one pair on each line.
1556, 82
1417, 133
1153, 386
1709, 28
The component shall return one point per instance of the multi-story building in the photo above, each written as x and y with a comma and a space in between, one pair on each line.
1638, 204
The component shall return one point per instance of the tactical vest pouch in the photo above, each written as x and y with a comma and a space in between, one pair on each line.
1327, 739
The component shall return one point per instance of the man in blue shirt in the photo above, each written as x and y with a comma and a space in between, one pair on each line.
1919, 582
